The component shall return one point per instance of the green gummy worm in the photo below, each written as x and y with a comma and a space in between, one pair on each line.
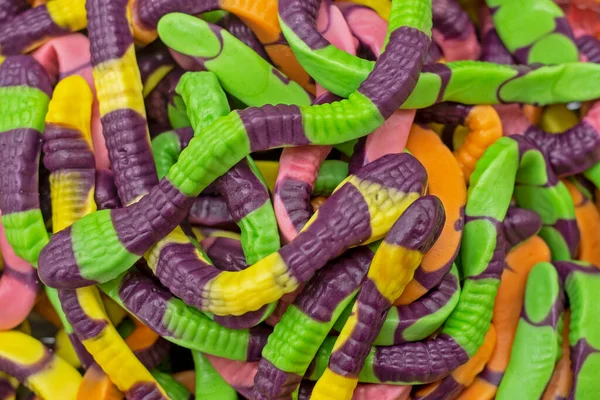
209, 384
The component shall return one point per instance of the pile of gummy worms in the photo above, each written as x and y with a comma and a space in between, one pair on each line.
293, 199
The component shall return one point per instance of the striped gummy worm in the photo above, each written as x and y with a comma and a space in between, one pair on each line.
331, 174
215, 150
10, 8
240, 30
34, 365
31, 28
482, 121
158, 100
515, 160
392, 268
588, 221
453, 31
342, 73
174, 389
212, 48
559, 385
154, 62
148, 346
260, 16
446, 182
179, 323
450, 387
537, 344
492, 48
8, 387
26, 90
534, 31
209, 384
211, 211
167, 146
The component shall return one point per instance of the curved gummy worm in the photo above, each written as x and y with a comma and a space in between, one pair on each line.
226, 253
31, 28
96, 385
492, 48
305, 324
30, 362
260, 16
517, 161
453, 31
209, 384
25, 89
212, 48
19, 281
450, 387
446, 182
392, 268
174, 389
211, 212
154, 62
509, 302
240, 30
536, 346
167, 146
331, 174
588, 221
179, 323
534, 32
484, 129
518, 225
8, 387
148, 346
160, 104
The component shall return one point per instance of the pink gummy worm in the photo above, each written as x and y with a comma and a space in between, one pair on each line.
240, 375
18, 286
70, 55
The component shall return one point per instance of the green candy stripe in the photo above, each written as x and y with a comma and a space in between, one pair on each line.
174, 389
537, 345
331, 174
209, 384
241, 71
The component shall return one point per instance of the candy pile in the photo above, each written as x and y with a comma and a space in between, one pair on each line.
430, 230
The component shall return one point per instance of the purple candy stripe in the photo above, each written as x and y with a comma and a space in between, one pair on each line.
493, 50
22, 372
434, 300
152, 356
149, 12
108, 29
401, 172
565, 268
590, 47
301, 17
130, 155
561, 26
242, 190
8, 9
434, 54
21, 33
146, 222
7, 390
444, 113
448, 388
271, 382
19, 166
63, 268
496, 264
450, 19
444, 72
424, 361
29, 279
579, 354
330, 285
295, 196
84, 356
257, 341
106, 196
519, 225
211, 211
490, 376
241, 31
244, 321
429, 279
85, 327
145, 391
65, 148
157, 103
554, 315
570, 232
152, 57
24, 71
227, 254
397, 70
359, 157
273, 126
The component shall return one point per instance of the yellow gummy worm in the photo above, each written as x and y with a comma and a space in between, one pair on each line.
46, 374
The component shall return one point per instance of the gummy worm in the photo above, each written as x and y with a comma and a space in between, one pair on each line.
492, 48
31, 28
342, 73
10, 8
158, 101
30, 362
392, 268
154, 62
96, 385
179, 323
174, 389
240, 30
226, 253
450, 387
8, 387
534, 31
445, 182
588, 221
536, 346
453, 31
260, 16
482, 121
26, 89
559, 385
515, 159
211, 211
212, 48
209, 384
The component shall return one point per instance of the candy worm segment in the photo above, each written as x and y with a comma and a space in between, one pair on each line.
536, 347
588, 222
240, 30
31, 28
26, 90
96, 385
211, 154
391, 269
209, 384
29, 361
453, 31
10, 8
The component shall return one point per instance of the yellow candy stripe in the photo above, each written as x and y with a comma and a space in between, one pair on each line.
69, 14
392, 268
332, 386
57, 380
110, 350
65, 350
69, 199
155, 77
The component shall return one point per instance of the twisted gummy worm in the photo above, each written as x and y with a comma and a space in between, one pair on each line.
203, 161
30, 362
392, 268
